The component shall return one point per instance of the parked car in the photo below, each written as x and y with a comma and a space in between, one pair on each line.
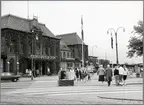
9, 76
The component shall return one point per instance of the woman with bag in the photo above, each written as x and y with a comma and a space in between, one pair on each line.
101, 73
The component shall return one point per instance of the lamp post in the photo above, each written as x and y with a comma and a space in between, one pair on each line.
115, 32
37, 38
32, 57
17, 68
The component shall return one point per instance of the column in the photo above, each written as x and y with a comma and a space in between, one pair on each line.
54, 67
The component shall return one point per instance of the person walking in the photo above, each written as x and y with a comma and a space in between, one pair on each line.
62, 74
48, 71
116, 75
121, 71
30, 73
80, 74
101, 73
72, 74
37, 73
77, 74
109, 74
27, 72
125, 74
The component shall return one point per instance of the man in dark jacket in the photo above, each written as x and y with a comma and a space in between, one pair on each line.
116, 74
109, 74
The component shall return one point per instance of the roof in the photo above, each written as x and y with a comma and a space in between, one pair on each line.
70, 38
63, 46
22, 24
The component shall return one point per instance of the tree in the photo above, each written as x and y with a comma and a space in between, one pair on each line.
136, 42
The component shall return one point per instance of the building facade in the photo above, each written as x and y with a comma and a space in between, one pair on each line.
28, 44
74, 42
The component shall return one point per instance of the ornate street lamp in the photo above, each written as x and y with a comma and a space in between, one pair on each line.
32, 57
37, 38
115, 32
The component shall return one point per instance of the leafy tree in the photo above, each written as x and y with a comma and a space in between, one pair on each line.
136, 42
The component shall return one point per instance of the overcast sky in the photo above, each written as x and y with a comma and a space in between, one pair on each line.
98, 16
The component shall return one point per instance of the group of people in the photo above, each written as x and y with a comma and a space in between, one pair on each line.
120, 73
73, 74
34, 73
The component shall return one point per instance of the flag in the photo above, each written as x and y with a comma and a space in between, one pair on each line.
82, 33
111, 42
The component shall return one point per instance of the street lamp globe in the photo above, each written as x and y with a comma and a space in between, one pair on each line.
17, 63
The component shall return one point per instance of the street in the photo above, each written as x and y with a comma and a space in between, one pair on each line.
44, 90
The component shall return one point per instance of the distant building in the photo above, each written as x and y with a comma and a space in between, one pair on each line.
74, 42
93, 60
67, 60
27, 39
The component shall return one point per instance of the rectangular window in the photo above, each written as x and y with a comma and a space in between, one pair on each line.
67, 54
64, 55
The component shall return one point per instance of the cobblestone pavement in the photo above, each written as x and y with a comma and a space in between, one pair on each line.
45, 91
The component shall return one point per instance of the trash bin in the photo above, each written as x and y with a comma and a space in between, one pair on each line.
137, 75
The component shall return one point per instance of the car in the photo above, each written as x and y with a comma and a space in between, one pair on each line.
9, 76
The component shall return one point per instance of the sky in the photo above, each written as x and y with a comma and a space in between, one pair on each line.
98, 16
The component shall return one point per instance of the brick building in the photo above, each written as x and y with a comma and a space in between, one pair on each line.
27, 40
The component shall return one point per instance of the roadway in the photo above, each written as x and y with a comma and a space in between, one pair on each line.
44, 90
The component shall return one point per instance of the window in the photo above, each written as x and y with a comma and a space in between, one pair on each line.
69, 64
70, 55
64, 55
67, 54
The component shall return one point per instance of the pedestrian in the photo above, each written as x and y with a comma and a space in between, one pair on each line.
121, 71
68, 75
27, 72
62, 74
125, 74
80, 74
72, 74
101, 73
116, 75
77, 73
48, 71
109, 74
30, 73
89, 76
37, 72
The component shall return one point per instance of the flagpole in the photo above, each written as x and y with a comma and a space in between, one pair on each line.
27, 9
82, 40
82, 55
